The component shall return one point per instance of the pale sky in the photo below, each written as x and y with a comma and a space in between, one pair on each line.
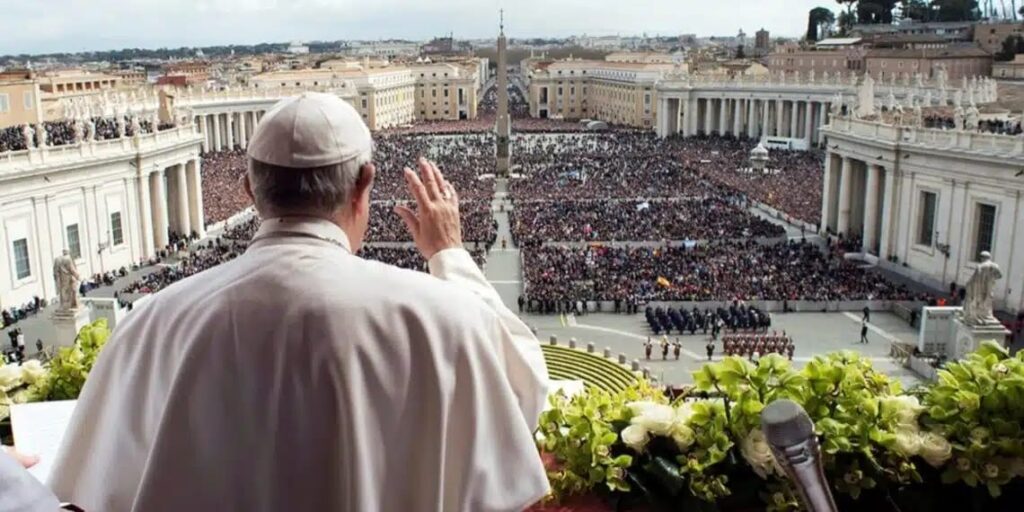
44, 26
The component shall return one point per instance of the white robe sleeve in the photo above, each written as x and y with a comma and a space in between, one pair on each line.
524, 362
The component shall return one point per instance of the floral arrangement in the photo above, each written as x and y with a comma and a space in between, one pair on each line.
60, 378
955, 441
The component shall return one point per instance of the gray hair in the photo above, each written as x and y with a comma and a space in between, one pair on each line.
317, 190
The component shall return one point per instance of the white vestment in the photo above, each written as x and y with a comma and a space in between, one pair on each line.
300, 377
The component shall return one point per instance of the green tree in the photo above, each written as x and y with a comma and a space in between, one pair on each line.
819, 20
847, 18
956, 10
875, 11
917, 10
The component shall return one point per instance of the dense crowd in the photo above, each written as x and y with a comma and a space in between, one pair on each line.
703, 218
792, 185
223, 195
717, 271
235, 240
61, 133
478, 224
945, 121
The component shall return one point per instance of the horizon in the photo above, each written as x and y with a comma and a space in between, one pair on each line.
69, 27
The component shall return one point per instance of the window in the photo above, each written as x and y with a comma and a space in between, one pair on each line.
28, 100
446, 93
74, 244
116, 233
22, 269
364, 102
5, 103
926, 221
985, 229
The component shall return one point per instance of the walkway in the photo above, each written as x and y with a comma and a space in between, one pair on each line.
504, 268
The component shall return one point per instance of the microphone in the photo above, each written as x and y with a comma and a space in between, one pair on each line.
790, 433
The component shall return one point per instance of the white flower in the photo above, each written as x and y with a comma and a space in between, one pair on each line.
908, 443
683, 436
635, 437
657, 419
32, 370
906, 407
758, 454
10, 376
935, 449
991, 471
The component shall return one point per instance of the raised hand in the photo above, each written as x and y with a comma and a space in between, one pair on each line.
435, 225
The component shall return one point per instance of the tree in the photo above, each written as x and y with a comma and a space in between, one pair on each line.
917, 10
740, 53
819, 21
846, 19
875, 11
956, 10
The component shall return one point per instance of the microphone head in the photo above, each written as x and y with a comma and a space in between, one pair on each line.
785, 423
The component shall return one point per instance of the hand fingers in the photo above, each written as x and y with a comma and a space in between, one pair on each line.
429, 179
416, 187
412, 223
26, 461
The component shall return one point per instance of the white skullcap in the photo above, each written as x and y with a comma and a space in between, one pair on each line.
312, 129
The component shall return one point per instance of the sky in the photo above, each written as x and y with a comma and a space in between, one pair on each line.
45, 26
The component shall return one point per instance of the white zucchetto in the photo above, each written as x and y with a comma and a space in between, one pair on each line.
310, 130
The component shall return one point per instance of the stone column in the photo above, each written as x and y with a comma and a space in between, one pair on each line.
845, 186
662, 129
723, 116
871, 208
230, 126
146, 212
193, 171
242, 128
216, 133
765, 124
158, 191
779, 118
181, 191
885, 237
809, 123
794, 119
708, 111
203, 127
751, 119
826, 196
737, 117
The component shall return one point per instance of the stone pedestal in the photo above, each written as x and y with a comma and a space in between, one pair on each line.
968, 337
66, 324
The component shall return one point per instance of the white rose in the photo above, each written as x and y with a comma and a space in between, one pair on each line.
906, 407
635, 437
758, 454
908, 443
32, 370
658, 419
10, 376
683, 436
935, 449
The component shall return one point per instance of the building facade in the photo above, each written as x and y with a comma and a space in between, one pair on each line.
928, 202
109, 203
20, 101
615, 92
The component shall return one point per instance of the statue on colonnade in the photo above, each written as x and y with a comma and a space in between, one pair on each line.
28, 135
978, 301
65, 276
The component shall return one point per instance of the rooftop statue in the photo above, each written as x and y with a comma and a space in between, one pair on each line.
28, 136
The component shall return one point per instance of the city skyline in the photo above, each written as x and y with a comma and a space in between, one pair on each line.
72, 26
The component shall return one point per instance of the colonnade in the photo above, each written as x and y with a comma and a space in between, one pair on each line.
750, 117
857, 201
170, 200
226, 130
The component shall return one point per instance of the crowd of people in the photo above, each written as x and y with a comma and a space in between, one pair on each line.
61, 133
478, 224
14, 314
738, 316
716, 271
699, 218
755, 346
222, 174
946, 121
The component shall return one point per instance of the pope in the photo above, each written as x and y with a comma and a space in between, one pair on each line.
300, 376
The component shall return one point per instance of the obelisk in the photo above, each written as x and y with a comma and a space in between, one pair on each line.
503, 126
